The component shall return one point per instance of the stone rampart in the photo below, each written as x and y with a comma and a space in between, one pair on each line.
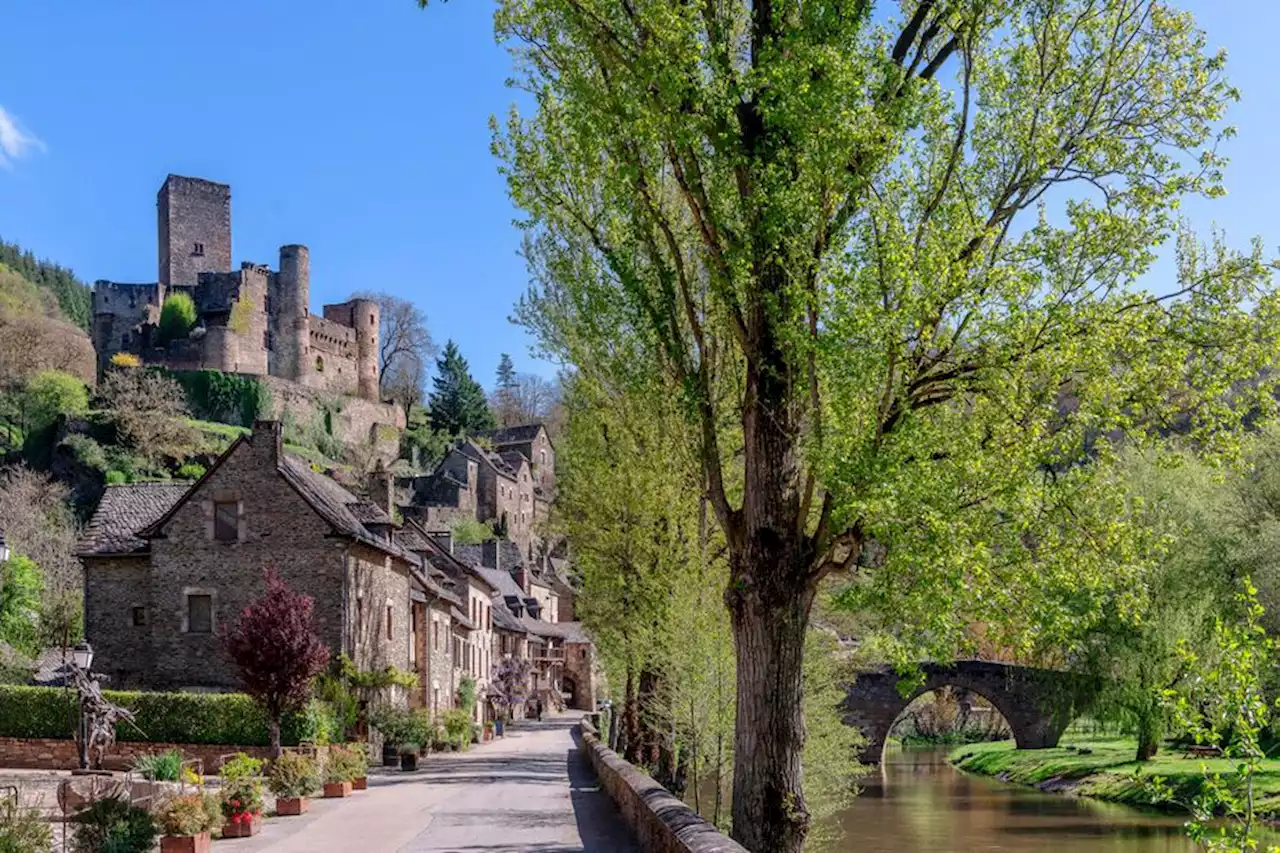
659, 821
357, 422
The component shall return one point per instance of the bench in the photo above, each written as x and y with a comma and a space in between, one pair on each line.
1199, 750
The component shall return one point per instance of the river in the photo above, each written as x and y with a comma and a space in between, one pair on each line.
918, 803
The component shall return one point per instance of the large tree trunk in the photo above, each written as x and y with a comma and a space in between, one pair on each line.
273, 727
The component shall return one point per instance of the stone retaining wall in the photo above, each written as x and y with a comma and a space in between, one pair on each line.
659, 821
56, 754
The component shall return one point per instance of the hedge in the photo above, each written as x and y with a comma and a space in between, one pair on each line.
230, 718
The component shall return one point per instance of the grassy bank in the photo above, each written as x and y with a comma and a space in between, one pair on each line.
1103, 768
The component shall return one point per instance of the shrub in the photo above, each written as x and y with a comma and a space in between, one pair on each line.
52, 394
86, 451
226, 397
221, 718
116, 478
191, 471
319, 723
293, 775
114, 825
457, 727
22, 829
241, 798
177, 317
126, 361
160, 766
343, 765
188, 814
239, 767
468, 531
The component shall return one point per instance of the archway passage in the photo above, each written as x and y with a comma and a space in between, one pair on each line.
1036, 702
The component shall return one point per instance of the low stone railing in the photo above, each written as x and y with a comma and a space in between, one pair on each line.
660, 822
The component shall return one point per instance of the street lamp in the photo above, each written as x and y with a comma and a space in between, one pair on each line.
82, 659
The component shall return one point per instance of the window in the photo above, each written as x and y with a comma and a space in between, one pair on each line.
199, 614
139, 616
266, 340
360, 615
435, 636
389, 622
198, 250
542, 454
372, 320
226, 521
319, 364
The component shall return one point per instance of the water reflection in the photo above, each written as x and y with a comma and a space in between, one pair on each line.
919, 804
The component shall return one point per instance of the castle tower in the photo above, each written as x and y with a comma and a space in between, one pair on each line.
365, 319
194, 217
290, 330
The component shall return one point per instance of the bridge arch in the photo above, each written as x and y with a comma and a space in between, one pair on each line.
1035, 702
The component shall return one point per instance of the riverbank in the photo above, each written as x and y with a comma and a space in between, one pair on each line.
1104, 769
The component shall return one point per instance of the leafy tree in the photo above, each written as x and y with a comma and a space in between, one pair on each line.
276, 651
72, 296
149, 410
468, 531
52, 394
509, 685
177, 317
20, 603
458, 405
901, 239
504, 402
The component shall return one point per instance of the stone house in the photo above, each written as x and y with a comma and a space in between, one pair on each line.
168, 565
532, 442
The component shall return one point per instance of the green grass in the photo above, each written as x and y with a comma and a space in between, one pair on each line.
220, 436
1108, 770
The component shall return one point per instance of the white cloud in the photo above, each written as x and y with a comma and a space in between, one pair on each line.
15, 140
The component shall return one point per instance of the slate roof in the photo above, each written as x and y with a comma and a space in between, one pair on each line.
460, 619
514, 459
124, 510
570, 632
519, 434
509, 556
505, 621
343, 511
471, 450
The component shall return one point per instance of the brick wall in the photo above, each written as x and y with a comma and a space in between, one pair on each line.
661, 823
50, 754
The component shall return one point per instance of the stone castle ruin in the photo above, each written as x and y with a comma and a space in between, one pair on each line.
253, 320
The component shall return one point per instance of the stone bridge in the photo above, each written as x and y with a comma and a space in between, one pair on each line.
1037, 703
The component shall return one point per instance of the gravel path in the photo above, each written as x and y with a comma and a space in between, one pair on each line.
530, 792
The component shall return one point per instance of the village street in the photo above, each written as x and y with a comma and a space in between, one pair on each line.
530, 792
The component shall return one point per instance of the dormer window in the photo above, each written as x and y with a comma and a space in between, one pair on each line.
198, 250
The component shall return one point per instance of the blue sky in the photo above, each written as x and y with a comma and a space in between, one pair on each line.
360, 130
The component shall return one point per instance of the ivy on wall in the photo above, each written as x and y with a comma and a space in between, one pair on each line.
226, 397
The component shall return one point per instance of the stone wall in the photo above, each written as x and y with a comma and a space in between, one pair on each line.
660, 822
51, 754
194, 229
358, 423
113, 587
376, 593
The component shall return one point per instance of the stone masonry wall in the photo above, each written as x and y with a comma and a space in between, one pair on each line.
660, 822
57, 754
359, 423
113, 587
376, 589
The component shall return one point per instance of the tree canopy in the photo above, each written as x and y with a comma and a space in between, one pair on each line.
177, 317
890, 259
458, 404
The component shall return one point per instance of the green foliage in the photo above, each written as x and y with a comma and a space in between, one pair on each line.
231, 398
457, 403
187, 814
404, 725
21, 586
240, 766
218, 718
318, 723
113, 825
116, 478
23, 829
457, 727
177, 317
831, 746
242, 315
51, 395
159, 766
87, 452
344, 765
467, 694
191, 471
293, 775
468, 531
73, 296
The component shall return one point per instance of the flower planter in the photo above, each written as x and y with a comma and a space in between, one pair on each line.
186, 843
488, 735
390, 754
337, 789
409, 761
361, 784
291, 806
243, 828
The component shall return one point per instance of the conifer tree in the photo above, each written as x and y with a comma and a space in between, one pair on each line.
458, 404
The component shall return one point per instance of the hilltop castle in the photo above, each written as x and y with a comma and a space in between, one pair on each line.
253, 320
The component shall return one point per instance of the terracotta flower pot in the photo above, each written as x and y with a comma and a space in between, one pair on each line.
291, 806
186, 843
337, 789
361, 784
244, 828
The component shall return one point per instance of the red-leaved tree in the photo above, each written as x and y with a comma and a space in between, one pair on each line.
277, 652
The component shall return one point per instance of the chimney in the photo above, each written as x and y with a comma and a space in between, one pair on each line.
382, 489
490, 554
443, 538
267, 438
522, 578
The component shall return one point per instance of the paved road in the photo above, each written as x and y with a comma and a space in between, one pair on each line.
530, 792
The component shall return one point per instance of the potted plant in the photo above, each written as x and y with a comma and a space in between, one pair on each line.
391, 723
488, 732
360, 765
293, 777
339, 770
409, 756
241, 797
185, 823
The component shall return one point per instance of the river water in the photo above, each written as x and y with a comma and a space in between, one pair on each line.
918, 803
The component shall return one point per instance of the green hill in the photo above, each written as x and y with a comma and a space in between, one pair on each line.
72, 295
